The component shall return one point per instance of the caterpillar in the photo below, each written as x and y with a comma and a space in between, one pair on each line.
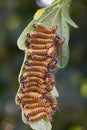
37, 110
41, 69
33, 79
41, 46
41, 28
52, 100
39, 58
25, 101
30, 95
33, 73
38, 116
39, 41
40, 35
37, 52
36, 63
42, 86
34, 89
35, 105
37, 78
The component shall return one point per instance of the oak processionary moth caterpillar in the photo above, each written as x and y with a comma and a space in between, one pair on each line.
37, 79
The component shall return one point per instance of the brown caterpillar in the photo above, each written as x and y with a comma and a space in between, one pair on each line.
49, 87
37, 52
34, 89
38, 58
30, 84
42, 86
52, 51
29, 95
41, 28
41, 35
35, 105
39, 41
52, 100
33, 73
41, 69
37, 110
34, 79
25, 101
38, 116
41, 46
36, 63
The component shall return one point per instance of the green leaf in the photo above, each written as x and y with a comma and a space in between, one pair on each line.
66, 15
41, 125
64, 50
24, 118
54, 92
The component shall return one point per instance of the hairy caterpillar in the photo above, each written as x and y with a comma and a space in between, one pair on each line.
39, 41
37, 78
35, 105
38, 116
40, 35
33, 73
34, 89
37, 52
30, 95
37, 110
52, 100
38, 58
41, 69
36, 63
41, 28
41, 46
33, 79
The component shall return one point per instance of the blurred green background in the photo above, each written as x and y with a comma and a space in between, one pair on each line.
71, 81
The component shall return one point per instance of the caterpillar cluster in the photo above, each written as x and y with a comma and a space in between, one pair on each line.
37, 80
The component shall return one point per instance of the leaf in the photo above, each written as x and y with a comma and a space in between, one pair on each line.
24, 118
64, 50
39, 13
54, 92
66, 15
41, 125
